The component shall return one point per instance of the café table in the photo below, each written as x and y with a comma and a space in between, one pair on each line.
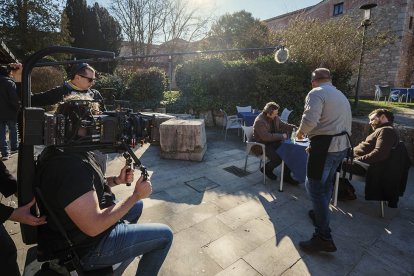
400, 92
248, 117
295, 157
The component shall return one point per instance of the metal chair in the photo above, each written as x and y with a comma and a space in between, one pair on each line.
244, 108
231, 121
248, 133
285, 115
377, 94
385, 91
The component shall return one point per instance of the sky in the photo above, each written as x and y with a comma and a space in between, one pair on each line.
261, 9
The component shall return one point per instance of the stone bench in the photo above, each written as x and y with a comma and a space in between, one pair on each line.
183, 139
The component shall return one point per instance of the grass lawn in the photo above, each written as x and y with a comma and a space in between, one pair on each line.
366, 106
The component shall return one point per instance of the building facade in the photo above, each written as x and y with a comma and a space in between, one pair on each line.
393, 64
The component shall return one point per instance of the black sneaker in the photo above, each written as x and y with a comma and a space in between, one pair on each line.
317, 244
311, 214
5, 157
269, 174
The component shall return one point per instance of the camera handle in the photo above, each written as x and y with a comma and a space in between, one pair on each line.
130, 156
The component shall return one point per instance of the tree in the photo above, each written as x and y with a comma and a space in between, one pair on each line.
238, 30
333, 44
182, 21
27, 26
146, 22
94, 28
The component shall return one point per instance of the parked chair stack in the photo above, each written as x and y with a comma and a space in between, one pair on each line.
231, 122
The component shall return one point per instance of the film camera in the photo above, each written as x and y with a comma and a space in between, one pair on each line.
75, 125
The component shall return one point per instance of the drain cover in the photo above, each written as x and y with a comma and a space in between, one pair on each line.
201, 184
236, 171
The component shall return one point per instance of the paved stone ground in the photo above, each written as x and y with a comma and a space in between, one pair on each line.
238, 226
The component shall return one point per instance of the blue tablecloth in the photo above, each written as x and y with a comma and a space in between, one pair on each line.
295, 158
248, 117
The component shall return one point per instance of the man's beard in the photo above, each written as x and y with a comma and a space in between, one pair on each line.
375, 125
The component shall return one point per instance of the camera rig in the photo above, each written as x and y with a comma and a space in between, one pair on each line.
111, 131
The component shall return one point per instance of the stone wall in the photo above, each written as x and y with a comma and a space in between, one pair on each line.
361, 129
393, 64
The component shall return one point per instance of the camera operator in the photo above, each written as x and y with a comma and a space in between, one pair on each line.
82, 77
8, 252
73, 185
9, 106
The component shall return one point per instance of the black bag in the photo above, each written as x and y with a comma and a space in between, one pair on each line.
345, 190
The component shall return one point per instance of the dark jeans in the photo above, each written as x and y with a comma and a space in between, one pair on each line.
354, 169
320, 193
8, 254
274, 158
128, 240
12, 126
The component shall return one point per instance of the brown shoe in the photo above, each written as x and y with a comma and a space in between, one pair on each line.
317, 244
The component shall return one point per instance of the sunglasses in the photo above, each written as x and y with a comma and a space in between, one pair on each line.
88, 78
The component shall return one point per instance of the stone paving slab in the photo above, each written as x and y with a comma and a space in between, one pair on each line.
243, 227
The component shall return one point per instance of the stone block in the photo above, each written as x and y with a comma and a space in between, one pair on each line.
183, 139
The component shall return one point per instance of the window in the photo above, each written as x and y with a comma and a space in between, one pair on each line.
410, 26
338, 9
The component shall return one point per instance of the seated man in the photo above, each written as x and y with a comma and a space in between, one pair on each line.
271, 131
73, 186
377, 146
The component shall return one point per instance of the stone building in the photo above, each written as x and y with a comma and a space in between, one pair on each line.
394, 63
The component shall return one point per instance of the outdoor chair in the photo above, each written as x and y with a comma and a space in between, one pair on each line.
384, 91
377, 94
248, 134
285, 115
244, 108
231, 122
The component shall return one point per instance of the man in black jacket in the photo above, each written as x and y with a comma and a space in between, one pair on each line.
8, 252
82, 77
9, 105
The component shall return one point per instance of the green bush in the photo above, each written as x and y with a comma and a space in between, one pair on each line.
174, 102
113, 86
146, 88
214, 84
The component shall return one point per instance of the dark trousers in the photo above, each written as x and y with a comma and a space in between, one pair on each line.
354, 169
274, 158
8, 254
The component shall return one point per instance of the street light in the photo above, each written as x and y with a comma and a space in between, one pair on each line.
365, 23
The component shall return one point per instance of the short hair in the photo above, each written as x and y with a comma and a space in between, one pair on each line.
80, 69
321, 74
269, 107
382, 111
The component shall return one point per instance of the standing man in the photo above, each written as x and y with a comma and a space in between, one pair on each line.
271, 131
327, 120
82, 77
9, 106
8, 251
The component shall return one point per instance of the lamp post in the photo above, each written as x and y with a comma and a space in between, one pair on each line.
365, 23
